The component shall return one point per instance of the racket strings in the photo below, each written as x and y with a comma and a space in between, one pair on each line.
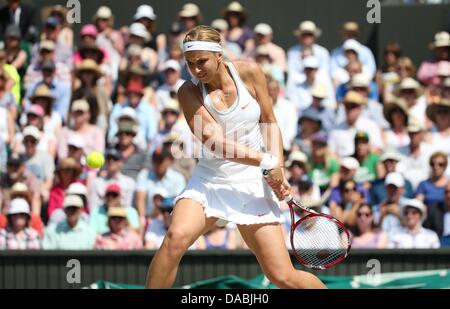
319, 241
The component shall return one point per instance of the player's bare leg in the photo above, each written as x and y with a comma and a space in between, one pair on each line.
267, 243
188, 223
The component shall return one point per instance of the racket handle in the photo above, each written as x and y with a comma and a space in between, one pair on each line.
288, 198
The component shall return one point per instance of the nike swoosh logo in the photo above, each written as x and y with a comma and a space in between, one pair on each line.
245, 106
189, 46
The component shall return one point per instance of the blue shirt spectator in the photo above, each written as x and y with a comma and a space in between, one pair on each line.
431, 192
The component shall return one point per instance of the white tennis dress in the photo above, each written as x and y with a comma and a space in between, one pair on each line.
227, 190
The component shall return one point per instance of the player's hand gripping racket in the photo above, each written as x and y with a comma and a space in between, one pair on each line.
319, 241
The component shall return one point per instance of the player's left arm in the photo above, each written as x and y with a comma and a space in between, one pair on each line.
271, 134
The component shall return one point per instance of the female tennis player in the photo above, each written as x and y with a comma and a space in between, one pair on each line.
230, 103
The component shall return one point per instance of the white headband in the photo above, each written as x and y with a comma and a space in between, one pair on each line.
202, 45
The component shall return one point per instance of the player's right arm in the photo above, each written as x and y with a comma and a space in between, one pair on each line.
209, 132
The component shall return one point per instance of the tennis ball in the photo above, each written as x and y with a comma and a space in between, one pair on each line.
95, 160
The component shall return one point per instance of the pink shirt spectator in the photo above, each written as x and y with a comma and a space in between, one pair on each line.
93, 136
126, 240
25, 240
428, 73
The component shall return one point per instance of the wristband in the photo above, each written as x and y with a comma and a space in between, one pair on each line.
268, 162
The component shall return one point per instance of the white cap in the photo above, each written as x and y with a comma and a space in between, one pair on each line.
32, 131
172, 64
359, 80
391, 155
77, 188
145, 11
296, 156
128, 112
139, 30
161, 191
352, 44
395, 179
76, 141
220, 24
415, 203
19, 206
73, 201
350, 163
103, 12
311, 62
319, 90
263, 29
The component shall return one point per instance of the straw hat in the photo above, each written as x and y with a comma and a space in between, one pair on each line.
319, 90
395, 104
308, 26
88, 65
92, 47
409, 83
42, 91
353, 97
441, 39
103, 12
435, 107
350, 26
189, 10
235, 7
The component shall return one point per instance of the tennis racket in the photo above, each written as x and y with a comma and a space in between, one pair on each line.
318, 241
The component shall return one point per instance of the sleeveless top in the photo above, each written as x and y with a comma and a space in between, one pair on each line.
240, 123
222, 246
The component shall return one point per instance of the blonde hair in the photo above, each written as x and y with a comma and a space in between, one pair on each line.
408, 64
203, 33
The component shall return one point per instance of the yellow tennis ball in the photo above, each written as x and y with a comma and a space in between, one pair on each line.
95, 160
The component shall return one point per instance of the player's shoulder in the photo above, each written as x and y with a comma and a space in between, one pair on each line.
246, 68
188, 90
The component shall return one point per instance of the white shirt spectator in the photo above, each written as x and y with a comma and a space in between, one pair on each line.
341, 138
294, 57
99, 184
284, 111
424, 239
163, 92
416, 169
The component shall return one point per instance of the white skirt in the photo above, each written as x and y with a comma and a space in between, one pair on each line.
249, 202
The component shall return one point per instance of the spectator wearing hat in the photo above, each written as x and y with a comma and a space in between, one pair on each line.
413, 235
319, 93
109, 38
345, 131
309, 123
263, 37
16, 55
16, 172
428, 70
231, 50
45, 51
51, 122
119, 236
396, 137
18, 235
189, 17
13, 83
297, 167
415, 164
439, 113
160, 175
18, 13
236, 17
172, 82
387, 213
39, 163
324, 169
20, 191
307, 34
134, 159
65, 32
145, 15
139, 35
300, 84
75, 189
112, 199
93, 135
372, 109
88, 48
411, 91
350, 34
68, 171
368, 169
352, 68
75, 147
270, 69
432, 190
283, 110
388, 163
147, 118
60, 91
113, 174
52, 27
367, 235
72, 234
89, 74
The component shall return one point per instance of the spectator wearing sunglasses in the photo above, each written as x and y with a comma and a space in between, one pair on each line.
413, 235
367, 235
431, 191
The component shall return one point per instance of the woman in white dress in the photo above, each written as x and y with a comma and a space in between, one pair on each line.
227, 106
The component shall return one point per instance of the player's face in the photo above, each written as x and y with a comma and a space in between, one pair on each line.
203, 64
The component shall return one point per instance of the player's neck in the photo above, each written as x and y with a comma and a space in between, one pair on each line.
221, 79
